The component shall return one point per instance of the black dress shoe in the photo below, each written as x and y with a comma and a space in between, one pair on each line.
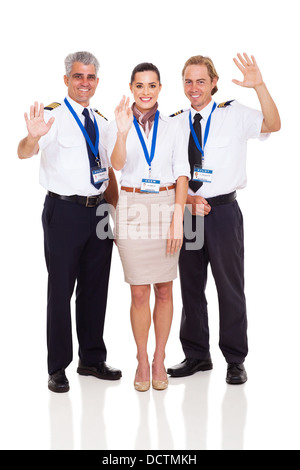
189, 367
101, 371
236, 374
58, 382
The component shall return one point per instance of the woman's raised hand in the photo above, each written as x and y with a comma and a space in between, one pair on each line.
124, 116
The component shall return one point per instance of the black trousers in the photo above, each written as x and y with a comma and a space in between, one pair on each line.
223, 248
74, 254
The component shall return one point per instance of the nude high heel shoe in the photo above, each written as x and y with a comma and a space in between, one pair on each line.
160, 384
141, 386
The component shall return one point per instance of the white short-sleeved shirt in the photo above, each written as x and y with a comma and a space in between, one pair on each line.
226, 148
171, 155
64, 166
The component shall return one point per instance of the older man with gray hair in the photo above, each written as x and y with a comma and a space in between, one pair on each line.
77, 176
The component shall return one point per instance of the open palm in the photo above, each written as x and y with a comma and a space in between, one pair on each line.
124, 116
36, 125
250, 70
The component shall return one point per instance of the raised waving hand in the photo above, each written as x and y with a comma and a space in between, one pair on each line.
36, 125
124, 119
124, 116
253, 79
250, 70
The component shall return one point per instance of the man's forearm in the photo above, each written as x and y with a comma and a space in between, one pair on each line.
28, 147
271, 122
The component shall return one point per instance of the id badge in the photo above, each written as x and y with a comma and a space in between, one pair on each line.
99, 175
150, 186
203, 175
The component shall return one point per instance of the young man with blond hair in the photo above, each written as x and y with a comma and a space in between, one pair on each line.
217, 136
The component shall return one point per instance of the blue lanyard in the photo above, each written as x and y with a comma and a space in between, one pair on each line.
94, 149
207, 127
154, 137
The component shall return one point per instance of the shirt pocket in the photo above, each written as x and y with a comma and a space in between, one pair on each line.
73, 152
216, 152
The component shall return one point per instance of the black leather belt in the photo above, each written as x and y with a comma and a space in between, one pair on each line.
87, 201
222, 199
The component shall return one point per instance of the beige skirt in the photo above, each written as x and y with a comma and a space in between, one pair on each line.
142, 226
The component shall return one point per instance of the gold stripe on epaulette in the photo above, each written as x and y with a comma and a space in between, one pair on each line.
52, 106
96, 111
176, 114
226, 103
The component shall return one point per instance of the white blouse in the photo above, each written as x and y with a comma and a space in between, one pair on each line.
170, 159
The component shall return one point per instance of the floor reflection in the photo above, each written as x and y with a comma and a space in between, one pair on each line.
164, 433
143, 433
149, 436
195, 409
61, 422
177, 418
92, 424
197, 413
234, 417
93, 429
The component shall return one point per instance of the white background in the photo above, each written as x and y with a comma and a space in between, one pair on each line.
200, 412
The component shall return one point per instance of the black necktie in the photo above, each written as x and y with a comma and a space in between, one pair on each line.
195, 156
90, 128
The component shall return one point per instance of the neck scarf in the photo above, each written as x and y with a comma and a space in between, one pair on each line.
145, 120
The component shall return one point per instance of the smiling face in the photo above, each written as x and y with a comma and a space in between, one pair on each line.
81, 83
198, 85
145, 89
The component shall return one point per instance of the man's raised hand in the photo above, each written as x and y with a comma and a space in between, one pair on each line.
250, 70
36, 125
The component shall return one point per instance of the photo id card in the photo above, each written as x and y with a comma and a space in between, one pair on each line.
99, 175
203, 175
150, 186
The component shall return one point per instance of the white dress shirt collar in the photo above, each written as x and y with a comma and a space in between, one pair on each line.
78, 108
205, 112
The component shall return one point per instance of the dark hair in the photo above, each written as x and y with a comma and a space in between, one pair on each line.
144, 67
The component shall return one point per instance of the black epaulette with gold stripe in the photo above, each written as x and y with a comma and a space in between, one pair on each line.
225, 104
176, 114
96, 111
52, 106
